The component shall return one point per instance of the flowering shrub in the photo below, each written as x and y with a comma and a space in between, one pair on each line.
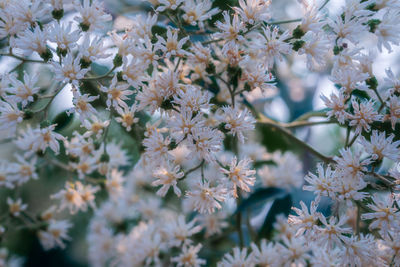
165, 146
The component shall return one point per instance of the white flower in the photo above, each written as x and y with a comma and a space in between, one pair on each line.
92, 49
237, 121
387, 31
156, 146
16, 207
183, 124
198, 11
23, 92
63, 36
257, 76
337, 104
231, 30
380, 146
168, 4
92, 15
240, 175
10, 116
33, 41
316, 47
141, 26
332, 232
179, 232
85, 166
265, 255
114, 183
123, 44
116, 93
364, 115
272, 44
350, 163
206, 198
29, 11
24, 170
167, 176
238, 258
392, 81
348, 27
127, 116
82, 105
359, 251
349, 78
384, 214
206, 142
55, 234
171, 46
191, 98
9, 24
133, 72
95, 126
253, 11
394, 110
293, 252
70, 198
212, 223
323, 184
6, 171
311, 20
69, 71
287, 173
39, 139
188, 257
306, 221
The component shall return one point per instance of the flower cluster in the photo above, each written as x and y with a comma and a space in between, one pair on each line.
165, 141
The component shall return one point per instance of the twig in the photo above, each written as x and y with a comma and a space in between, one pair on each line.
192, 169
106, 75
23, 59
288, 134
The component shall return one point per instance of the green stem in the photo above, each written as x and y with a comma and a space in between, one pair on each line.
23, 59
106, 75
193, 169
292, 137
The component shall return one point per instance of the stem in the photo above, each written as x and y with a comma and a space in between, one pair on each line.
288, 134
284, 21
323, 5
358, 219
23, 59
296, 124
239, 221
380, 100
106, 75
193, 169
352, 140
347, 136
106, 133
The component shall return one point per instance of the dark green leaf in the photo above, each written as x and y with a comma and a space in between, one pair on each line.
280, 205
259, 196
62, 120
272, 139
360, 94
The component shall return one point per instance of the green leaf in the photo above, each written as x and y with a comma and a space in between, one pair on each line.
280, 205
272, 139
62, 120
260, 163
259, 196
159, 30
360, 94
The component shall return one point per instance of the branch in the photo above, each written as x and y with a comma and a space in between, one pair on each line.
275, 125
23, 59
